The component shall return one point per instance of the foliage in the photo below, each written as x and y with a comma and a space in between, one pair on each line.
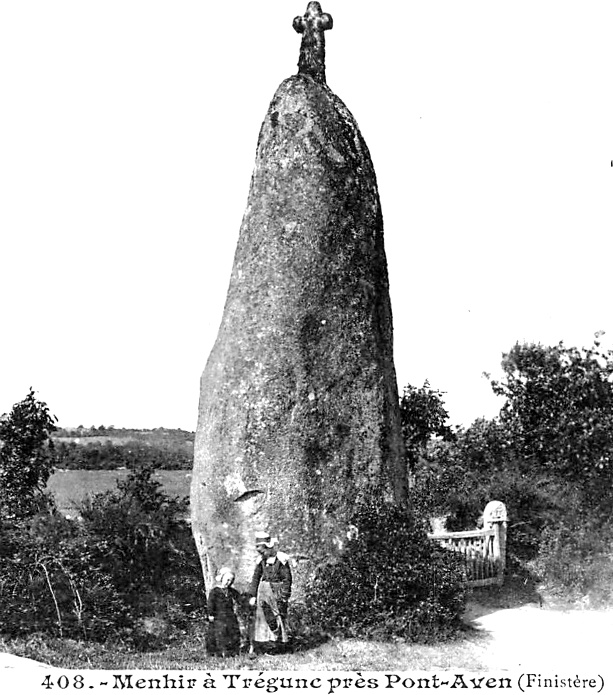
128, 569
147, 545
26, 457
559, 412
390, 582
457, 479
548, 456
575, 561
92, 454
423, 416
455, 476
51, 581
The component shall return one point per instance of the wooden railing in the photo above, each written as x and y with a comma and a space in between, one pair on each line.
483, 550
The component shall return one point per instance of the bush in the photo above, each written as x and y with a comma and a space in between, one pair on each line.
148, 546
457, 479
51, 583
145, 544
390, 582
128, 569
575, 561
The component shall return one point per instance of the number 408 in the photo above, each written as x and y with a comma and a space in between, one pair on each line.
64, 682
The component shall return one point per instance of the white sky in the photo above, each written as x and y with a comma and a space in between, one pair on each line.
127, 139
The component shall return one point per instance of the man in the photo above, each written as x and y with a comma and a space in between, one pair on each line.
270, 591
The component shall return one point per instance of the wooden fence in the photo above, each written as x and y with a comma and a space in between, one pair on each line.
483, 550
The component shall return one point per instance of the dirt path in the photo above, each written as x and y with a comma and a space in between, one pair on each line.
541, 640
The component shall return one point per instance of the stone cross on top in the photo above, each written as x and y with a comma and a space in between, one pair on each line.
312, 59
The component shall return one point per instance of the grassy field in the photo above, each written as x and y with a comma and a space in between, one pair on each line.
70, 487
506, 611
467, 652
504, 630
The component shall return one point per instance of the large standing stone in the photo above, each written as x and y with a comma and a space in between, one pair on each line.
298, 414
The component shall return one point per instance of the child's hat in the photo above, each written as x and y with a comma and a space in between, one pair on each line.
222, 573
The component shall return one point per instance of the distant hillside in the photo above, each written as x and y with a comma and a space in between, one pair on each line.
158, 435
107, 448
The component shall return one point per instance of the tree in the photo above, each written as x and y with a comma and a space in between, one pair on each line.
559, 412
423, 416
548, 455
26, 456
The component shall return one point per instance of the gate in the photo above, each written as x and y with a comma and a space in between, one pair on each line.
483, 550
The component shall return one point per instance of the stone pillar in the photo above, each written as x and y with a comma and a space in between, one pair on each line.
495, 517
299, 416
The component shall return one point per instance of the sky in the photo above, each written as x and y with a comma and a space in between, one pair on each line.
127, 140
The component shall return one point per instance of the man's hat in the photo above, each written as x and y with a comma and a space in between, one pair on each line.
263, 538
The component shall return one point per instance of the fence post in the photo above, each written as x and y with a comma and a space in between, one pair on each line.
495, 517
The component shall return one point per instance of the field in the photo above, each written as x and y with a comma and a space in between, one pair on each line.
70, 487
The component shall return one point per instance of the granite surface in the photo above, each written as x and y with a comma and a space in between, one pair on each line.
298, 415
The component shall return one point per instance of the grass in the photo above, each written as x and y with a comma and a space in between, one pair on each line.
551, 635
469, 651
189, 653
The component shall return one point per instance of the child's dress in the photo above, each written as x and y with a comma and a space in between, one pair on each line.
224, 632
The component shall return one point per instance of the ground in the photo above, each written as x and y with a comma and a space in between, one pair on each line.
528, 637
534, 638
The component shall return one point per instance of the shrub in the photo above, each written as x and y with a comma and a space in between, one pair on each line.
145, 544
147, 540
575, 561
390, 582
50, 582
457, 479
127, 569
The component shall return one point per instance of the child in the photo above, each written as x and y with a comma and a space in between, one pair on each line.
224, 632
